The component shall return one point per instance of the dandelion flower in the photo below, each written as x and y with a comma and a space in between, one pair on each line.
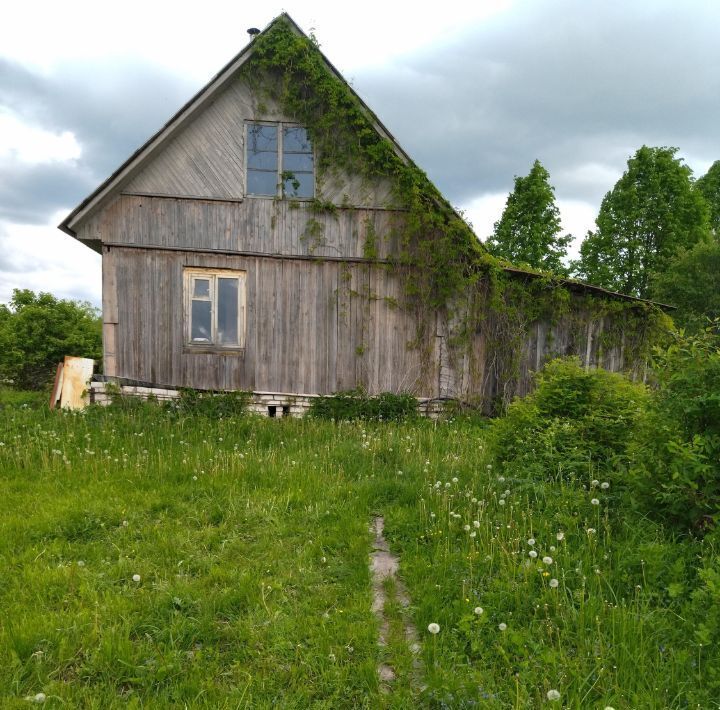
553, 695
434, 628
136, 578
532, 554
502, 626
560, 536
595, 501
554, 583
531, 541
478, 610
547, 560
604, 485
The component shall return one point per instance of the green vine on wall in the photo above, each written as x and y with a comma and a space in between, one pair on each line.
449, 269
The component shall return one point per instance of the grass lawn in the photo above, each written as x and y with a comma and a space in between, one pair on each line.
152, 560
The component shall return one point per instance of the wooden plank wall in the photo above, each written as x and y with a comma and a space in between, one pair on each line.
312, 326
255, 225
206, 157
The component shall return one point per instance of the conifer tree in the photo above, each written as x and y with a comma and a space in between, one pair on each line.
528, 233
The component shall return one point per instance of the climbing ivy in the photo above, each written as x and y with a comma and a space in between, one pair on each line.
449, 269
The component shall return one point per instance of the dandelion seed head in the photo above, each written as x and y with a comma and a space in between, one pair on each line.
501, 501
554, 583
434, 628
476, 523
552, 548
595, 501
604, 485
454, 480
547, 560
532, 554
560, 536
478, 610
466, 528
594, 483
136, 578
553, 695
502, 626
531, 541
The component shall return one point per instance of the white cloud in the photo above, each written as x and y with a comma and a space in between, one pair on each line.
484, 211
41, 258
31, 144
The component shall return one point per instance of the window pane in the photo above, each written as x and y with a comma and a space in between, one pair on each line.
262, 183
227, 332
295, 139
200, 322
261, 137
202, 288
262, 160
301, 185
302, 162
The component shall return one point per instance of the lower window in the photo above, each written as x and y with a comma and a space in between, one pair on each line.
214, 308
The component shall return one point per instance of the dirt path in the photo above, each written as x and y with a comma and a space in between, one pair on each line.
384, 567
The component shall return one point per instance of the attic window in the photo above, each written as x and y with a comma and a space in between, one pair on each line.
280, 161
215, 309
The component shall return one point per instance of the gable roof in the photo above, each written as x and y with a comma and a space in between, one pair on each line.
189, 110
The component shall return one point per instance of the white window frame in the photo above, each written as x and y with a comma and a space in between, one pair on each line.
280, 183
190, 274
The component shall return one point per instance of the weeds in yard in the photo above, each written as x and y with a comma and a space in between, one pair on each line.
163, 559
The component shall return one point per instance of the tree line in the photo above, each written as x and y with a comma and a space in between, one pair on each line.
656, 236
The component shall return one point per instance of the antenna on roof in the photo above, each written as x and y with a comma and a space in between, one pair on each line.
253, 32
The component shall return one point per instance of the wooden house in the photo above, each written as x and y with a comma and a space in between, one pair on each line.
239, 254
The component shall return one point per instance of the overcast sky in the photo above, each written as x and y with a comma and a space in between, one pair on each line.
474, 93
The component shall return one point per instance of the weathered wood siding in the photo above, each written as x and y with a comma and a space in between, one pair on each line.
206, 157
312, 326
255, 225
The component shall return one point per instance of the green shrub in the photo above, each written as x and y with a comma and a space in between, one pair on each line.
356, 404
573, 420
675, 466
38, 330
214, 405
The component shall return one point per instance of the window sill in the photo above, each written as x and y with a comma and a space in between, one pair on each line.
277, 198
212, 349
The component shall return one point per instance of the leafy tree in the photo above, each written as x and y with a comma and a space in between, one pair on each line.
692, 283
38, 330
644, 221
709, 187
528, 233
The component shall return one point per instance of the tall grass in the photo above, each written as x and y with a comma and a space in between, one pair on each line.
250, 539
